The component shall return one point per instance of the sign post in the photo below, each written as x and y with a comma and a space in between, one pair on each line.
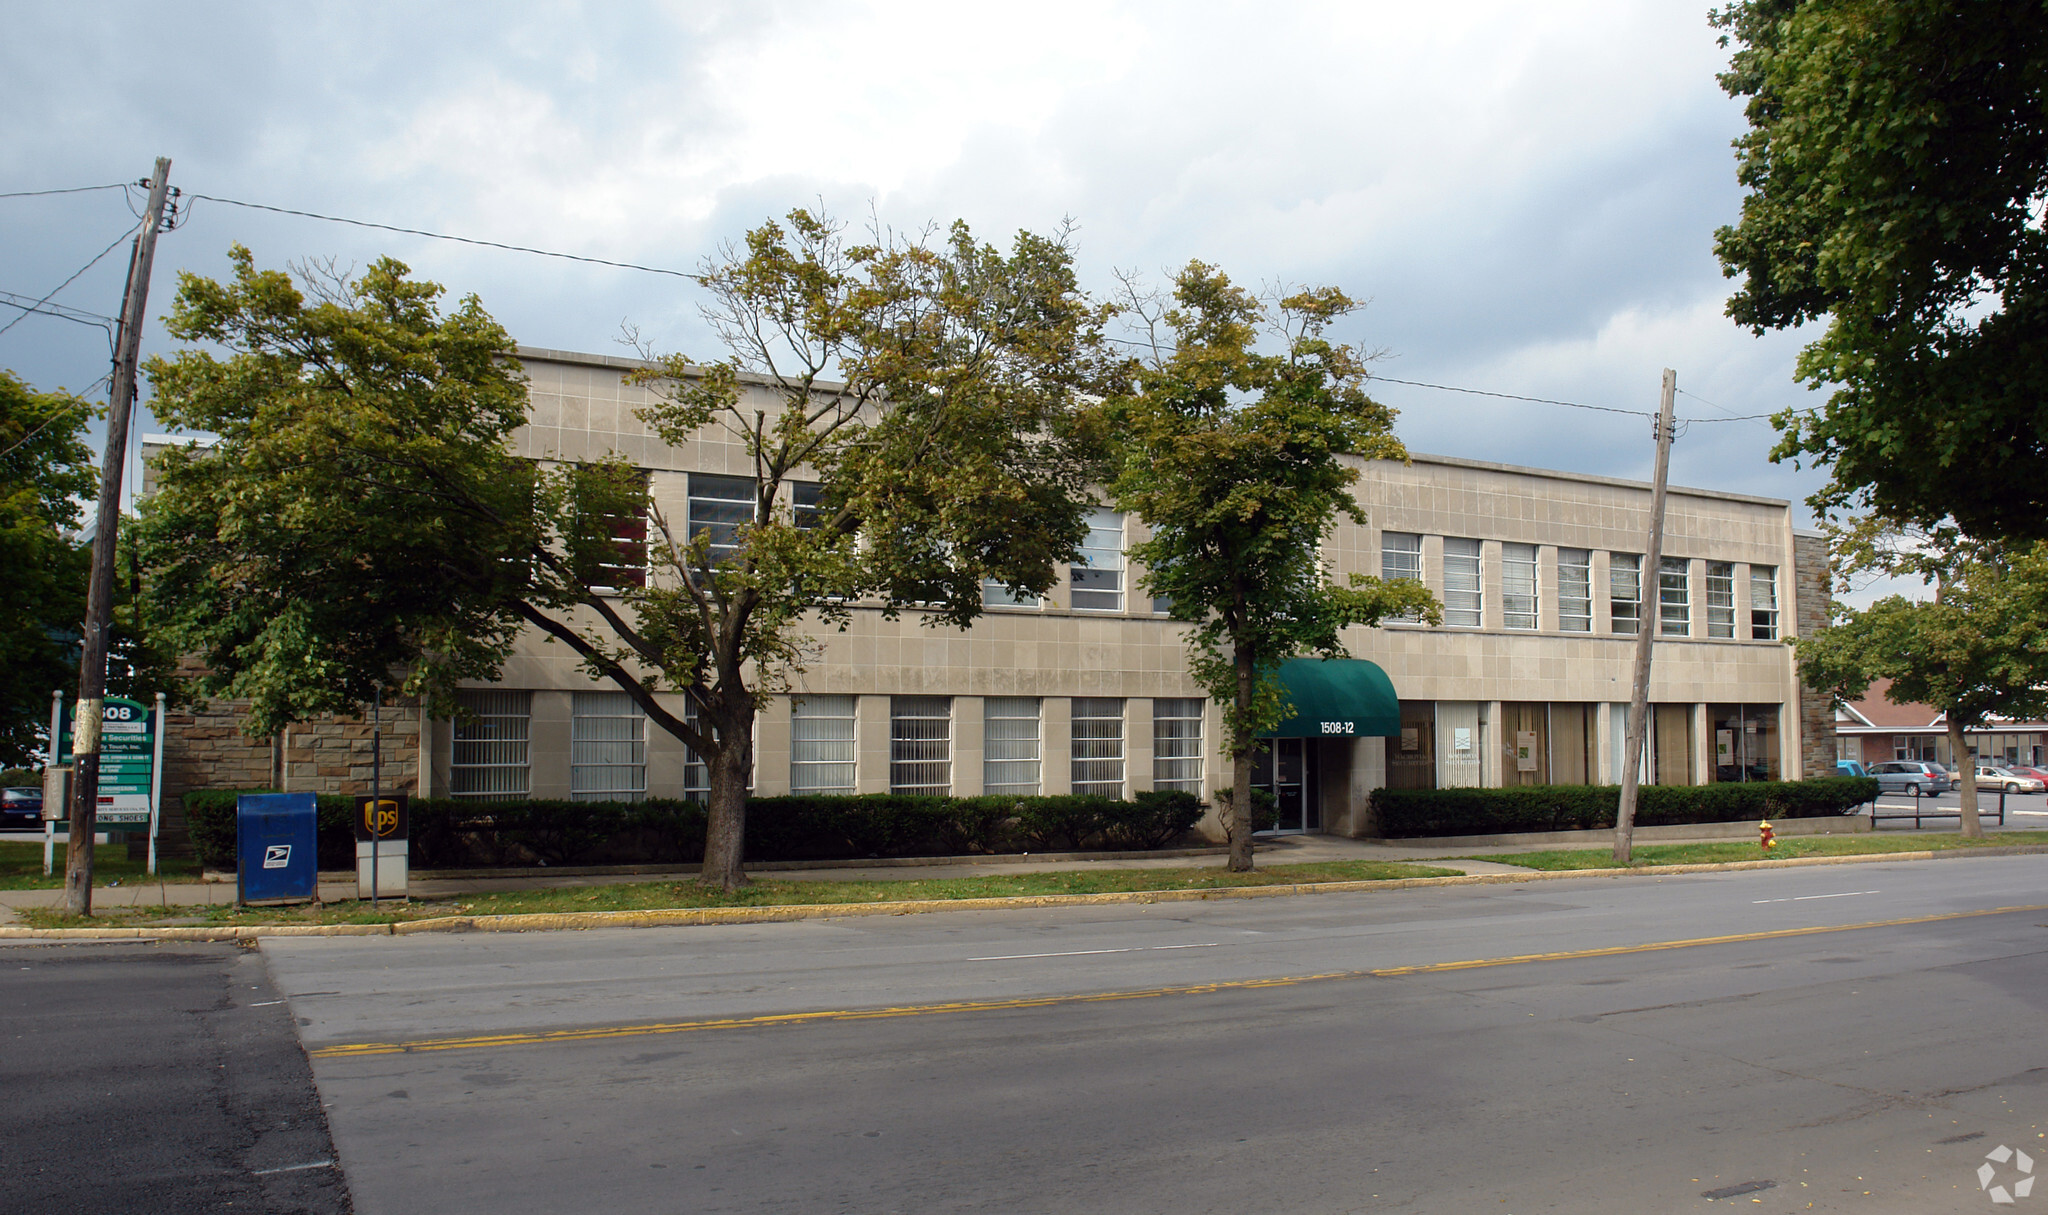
127, 753
49, 818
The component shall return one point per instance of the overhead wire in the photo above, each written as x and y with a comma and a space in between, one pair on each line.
118, 185
463, 240
67, 282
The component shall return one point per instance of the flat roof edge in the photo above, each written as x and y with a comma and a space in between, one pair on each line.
1555, 474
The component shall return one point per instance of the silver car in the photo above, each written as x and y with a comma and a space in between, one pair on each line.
1912, 776
2008, 780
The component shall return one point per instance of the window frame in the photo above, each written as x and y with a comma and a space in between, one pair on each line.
1720, 602
1763, 622
1523, 602
851, 743
593, 754
1098, 781
1170, 734
479, 701
1584, 616
1618, 565
1455, 616
913, 757
1681, 569
990, 740
1091, 566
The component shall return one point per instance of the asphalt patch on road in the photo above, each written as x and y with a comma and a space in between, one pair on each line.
161, 1078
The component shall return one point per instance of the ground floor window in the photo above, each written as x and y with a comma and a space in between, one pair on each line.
821, 744
1548, 744
1010, 746
1745, 742
921, 745
1411, 755
1177, 744
1460, 742
1098, 746
1671, 732
490, 759
607, 747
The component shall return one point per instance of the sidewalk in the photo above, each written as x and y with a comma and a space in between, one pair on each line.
1279, 850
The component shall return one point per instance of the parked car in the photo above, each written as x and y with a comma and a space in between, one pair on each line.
1850, 767
2008, 780
1912, 776
21, 807
2039, 774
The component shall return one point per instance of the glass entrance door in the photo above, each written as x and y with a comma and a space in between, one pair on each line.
1286, 769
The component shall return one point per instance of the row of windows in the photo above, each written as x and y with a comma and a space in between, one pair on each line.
1521, 591
608, 746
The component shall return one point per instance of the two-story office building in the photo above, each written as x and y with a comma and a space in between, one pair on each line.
1526, 681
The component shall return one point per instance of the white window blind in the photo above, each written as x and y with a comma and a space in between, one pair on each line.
1098, 746
1177, 744
921, 745
1674, 597
1518, 588
607, 748
1625, 592
1010, 746
821, 746
1763, 602
489, 760
1720, 599
1098, 577
1575, 590
1464, 600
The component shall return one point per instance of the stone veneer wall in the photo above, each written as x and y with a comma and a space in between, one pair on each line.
205, 748
1811, 600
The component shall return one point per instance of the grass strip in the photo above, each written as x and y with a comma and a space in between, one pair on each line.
669, 895
1738, 850
21, 867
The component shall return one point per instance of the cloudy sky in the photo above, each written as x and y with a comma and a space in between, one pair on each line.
1526, 193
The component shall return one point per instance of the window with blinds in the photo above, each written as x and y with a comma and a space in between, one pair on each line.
1575, 590
1098, 746
921, 745
1518, 585
719, 507
1177, 744
1401, 557
607, 748
1010, 746
489, 760
821, 744
1720, 599
1674, 597
1625, 592
1763, 602
1098, 577
1464, 600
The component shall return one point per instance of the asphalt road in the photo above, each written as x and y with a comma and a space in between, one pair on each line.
155, 1078
1215, 1057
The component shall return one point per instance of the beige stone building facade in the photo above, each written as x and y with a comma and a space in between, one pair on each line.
1527, 680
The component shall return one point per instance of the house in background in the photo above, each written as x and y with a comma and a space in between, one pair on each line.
1874, 730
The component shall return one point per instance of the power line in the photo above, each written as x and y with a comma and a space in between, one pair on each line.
1732, 417
119, 185
464, 240
1509, 396
67, 282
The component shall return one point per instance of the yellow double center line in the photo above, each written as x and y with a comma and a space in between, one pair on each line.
357, 1050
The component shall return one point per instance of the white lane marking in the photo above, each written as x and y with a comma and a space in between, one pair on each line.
294, 1168
265, 1003
1847, 894
1081, 953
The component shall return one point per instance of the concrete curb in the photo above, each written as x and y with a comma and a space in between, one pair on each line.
700, 916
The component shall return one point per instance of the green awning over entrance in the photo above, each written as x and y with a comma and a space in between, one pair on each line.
1338, 698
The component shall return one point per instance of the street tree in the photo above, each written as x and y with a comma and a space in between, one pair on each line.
46, 473
1978, 649
1897, 168
1239, 459
361, 517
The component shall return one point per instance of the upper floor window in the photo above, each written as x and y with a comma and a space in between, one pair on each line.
1401, 557
1575, 590
1625, 592
1518, 585
1763, 602
719, 507
1674, 597
995, 594
1098, 577
806, 504
1464, 600
625, 563
1720, 599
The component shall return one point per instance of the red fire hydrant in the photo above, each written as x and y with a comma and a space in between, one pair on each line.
1766, 836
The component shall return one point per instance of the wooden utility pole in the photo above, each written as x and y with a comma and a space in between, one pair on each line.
1648, 618
99, 602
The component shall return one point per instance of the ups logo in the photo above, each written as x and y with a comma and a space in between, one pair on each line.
381, 818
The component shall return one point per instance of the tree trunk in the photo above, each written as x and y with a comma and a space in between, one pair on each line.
1241, 767
725, 831
1966, 778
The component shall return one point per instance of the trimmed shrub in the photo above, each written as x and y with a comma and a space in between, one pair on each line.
450, 834
1414, 813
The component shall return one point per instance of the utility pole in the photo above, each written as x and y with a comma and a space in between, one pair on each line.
99, 602
1647, 621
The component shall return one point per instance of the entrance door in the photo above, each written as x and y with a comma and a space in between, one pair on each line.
1286, 769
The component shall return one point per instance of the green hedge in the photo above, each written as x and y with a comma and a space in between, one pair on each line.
449, 834
1414, 813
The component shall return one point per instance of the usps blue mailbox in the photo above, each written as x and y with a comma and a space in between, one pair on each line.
278, 847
